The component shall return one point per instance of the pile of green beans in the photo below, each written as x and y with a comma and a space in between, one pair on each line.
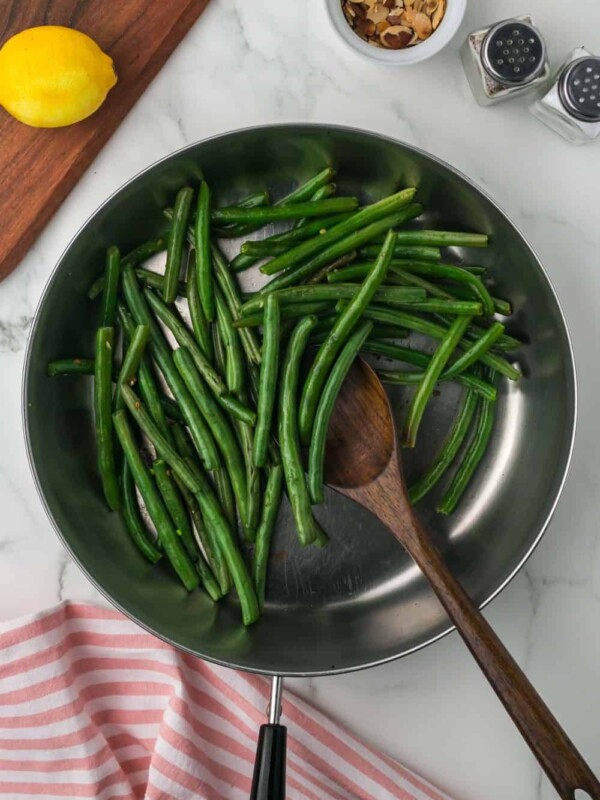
211, 405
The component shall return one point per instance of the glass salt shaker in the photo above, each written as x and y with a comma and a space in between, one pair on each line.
505, 60
571, 106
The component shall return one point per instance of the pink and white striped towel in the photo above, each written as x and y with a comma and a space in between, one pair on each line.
91, 706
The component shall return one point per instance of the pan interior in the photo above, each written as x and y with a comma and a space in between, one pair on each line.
359, 601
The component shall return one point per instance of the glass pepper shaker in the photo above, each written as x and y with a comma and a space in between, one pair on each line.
571, 106
505, 60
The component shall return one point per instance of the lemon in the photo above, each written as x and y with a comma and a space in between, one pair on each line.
53, 76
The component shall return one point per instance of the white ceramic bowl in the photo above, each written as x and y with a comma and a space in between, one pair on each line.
455, 11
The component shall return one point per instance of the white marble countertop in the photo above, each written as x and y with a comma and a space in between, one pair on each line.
250, 63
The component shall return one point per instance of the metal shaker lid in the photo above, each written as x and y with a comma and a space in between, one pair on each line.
513, 52
579, 89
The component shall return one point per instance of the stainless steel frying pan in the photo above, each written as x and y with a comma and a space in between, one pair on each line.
361, 601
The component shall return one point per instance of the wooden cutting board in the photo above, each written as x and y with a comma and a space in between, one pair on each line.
39, 167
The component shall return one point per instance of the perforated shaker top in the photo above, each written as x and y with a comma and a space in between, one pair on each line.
579, 89
513, 52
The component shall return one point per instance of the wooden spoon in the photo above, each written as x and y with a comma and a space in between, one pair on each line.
362, 463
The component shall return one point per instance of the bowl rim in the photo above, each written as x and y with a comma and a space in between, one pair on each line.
438, 40
25, 382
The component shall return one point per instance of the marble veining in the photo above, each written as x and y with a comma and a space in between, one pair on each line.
252, 63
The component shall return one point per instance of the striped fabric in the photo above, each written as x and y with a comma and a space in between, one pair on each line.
92, 706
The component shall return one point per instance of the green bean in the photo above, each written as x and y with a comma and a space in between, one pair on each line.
468, 379
405, 251
176, 240
131, 362
237, 409
253, 481
234, 364
163, 356
270, 510
322, 193
214, 517
171, 319
316, 453
448, 451
207, 576
231, 291
190, 475
357, 222
471, 459
219, 350
146, 380
133, 518
392, 331
401, 318
280, 243
156, 281
174, 505
321, 537
171, 409
342, 328
205, 532
442, 239
476, 351
203, 256
288, 431
268, 379
154, 504
144, 251
209, 581
392, 295
218, 424
200, 324
103, 367
501, 306
505, 343
451, 273
264, 215
148, 278
71, 366
303, 193
289, 312
298, 274
356, 272
430, 377
111, 287
224, 490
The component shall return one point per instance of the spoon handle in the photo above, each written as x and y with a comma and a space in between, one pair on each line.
557, 755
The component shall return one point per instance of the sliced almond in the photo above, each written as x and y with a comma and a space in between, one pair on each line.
365, 28
408, 2
396, 37
418, 5
377, 13
430, 6
422, 25
382, 26
414, 40
408, 18
438, 14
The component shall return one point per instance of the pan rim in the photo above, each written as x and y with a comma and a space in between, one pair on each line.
25, 384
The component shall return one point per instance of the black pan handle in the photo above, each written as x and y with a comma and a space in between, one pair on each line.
268, 782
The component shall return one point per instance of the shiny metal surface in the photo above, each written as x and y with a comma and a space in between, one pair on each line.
513, 52
275, 701
579, 89
361, 601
